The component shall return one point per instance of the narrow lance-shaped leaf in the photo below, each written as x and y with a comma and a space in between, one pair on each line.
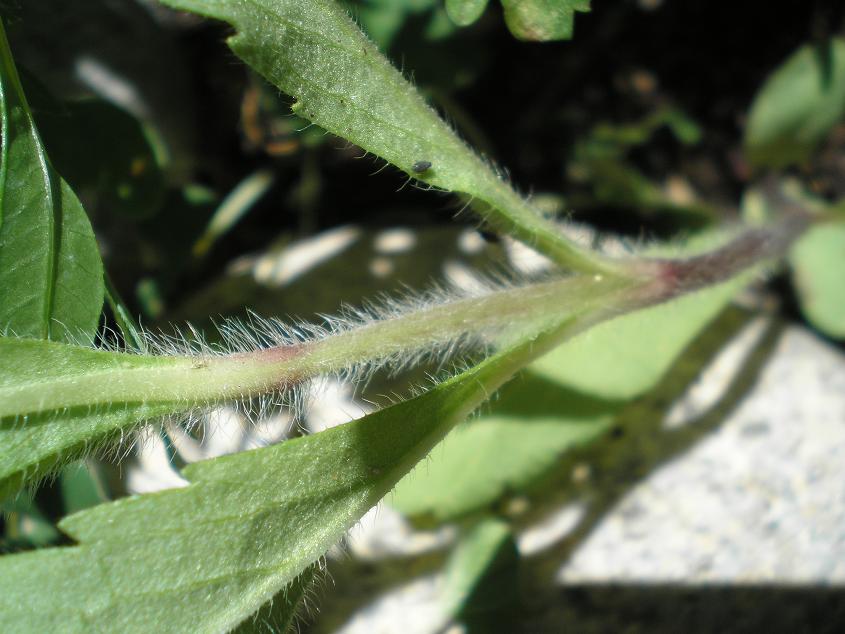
205, 557
313, 51
51, 275
482, 574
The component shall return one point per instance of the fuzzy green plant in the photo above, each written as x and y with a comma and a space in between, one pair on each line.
208, 556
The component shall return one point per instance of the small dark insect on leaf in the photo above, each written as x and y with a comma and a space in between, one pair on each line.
421, 166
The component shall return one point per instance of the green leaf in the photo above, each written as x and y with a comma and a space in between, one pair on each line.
818, 263
313, 51
531, 425
205, 557
543, 20
797, 106
279, 615
81, 487
567, 398
35, 449
51, 275
612, 138
624, 358
129, 330
481, 574
601, 160
465, 12
54, 404
385, 20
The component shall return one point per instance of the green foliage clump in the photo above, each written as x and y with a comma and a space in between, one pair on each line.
240, 544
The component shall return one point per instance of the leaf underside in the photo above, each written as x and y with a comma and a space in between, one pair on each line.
205, 557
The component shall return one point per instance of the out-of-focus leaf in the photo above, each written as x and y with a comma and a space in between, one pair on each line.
125, 322
624, 358
51, 275
80, 487
797, 106
616, 183
119, 52
482, 574
615, 138
601, 160
818, 263
531, 425
465, 12
543, 20
384, 20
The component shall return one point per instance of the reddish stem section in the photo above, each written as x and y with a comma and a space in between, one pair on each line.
279, 354
754, 246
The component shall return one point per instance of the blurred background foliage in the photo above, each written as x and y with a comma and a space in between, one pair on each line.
656, 120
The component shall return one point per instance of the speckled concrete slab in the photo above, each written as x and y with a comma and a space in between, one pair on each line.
762, 499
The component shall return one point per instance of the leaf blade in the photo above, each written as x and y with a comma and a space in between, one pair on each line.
481, 584
257, 536
343, 84
533, 422
818, 260
51, 275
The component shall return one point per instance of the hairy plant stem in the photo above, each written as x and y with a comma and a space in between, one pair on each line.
494, 320
675, 277
509, 214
